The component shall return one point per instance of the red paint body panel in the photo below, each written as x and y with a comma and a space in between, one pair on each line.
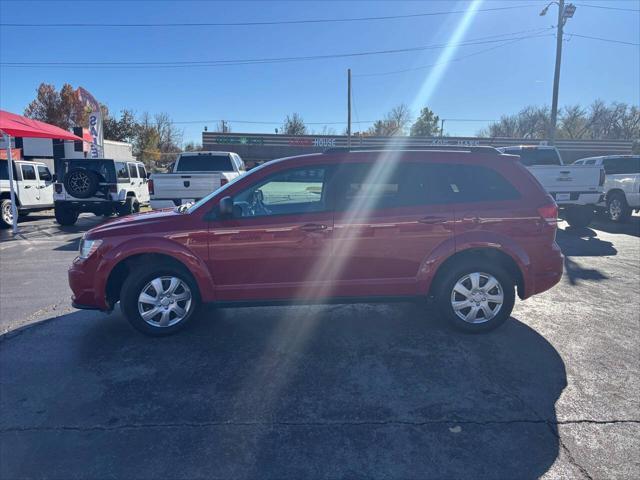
386, 252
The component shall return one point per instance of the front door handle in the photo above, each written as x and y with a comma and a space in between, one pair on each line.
432, 220
313, 227
27, 186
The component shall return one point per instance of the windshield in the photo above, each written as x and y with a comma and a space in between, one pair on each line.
205, 163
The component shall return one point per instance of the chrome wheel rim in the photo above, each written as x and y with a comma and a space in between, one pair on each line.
477, 297
6, 213
164, 301
615, 209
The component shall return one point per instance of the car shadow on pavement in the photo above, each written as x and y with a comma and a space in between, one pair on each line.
582, 242
631, 227
298, 392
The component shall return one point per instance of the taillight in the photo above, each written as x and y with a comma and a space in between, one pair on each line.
223, 181
150, 184
603, 176
58, 187
549, 213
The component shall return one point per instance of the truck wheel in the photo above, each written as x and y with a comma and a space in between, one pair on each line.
579, 216
159, 300
6, 219
618, 209
66, 216
476, 297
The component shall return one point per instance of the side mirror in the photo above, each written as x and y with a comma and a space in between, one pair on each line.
225, 207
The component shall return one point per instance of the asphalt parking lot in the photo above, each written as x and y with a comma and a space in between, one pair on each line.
380, 391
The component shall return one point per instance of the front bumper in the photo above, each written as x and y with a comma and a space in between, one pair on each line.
81, 281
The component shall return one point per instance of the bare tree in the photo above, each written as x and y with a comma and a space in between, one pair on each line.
395, 122
294, 125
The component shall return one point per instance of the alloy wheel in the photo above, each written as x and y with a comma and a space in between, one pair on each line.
7, 217
615, 209
164, 301
477, 297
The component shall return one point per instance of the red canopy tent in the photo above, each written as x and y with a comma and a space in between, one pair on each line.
13, 125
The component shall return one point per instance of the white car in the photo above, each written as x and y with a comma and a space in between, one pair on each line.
194, 175
99, 185
577, 189
33, 185
621, 186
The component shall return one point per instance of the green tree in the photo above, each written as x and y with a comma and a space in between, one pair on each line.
426, 125
123, 129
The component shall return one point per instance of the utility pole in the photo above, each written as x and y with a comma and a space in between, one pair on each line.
442, 128
564, 12
349, 108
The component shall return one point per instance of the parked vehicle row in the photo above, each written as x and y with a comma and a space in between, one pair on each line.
622, 184
463, 228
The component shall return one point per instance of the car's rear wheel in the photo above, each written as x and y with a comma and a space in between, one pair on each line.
159, 300
476, 297
66, 216
618, 209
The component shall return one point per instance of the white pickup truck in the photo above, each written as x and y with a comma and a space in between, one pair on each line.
622, 186
194, 175
577, 189
33, 188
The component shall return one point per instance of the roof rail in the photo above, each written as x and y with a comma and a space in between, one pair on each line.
461, 148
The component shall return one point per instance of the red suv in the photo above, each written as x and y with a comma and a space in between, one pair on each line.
461, 227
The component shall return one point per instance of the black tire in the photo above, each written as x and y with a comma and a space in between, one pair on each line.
618, 209
66, 216
128, 208
580, 216
81, 183
460, 271
135, 284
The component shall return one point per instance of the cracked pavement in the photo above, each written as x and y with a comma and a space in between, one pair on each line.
362, 391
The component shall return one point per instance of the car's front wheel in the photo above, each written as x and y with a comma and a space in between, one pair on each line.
159, 300
66, 216
477, 297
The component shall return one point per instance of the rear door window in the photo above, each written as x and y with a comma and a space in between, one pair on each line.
121, 170
475, 183
44, 173
142, 171
622, 165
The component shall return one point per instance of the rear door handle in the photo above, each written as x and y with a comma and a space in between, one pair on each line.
27, 186
432, 220
313, 227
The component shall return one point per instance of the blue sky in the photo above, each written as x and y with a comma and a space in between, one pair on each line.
482, 86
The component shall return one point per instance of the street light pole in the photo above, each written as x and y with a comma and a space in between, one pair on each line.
564, 12
349, 108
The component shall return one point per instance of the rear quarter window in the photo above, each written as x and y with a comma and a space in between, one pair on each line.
475, 183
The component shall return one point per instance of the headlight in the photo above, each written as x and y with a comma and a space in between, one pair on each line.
87, 247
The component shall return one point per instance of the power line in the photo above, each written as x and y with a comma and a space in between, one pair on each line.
253, 61
622, 9
457, 59
261, 23
263, 122
610, 40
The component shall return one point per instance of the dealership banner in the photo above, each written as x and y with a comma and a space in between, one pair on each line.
94, 123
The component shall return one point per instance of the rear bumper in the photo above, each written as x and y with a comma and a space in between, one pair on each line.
547, 272
564, 199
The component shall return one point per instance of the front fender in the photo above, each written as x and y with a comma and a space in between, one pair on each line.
160, 246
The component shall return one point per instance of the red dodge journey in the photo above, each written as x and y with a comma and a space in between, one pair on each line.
464, 228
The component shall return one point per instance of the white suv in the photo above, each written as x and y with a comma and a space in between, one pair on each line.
100, 186
33, 189
621, 186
